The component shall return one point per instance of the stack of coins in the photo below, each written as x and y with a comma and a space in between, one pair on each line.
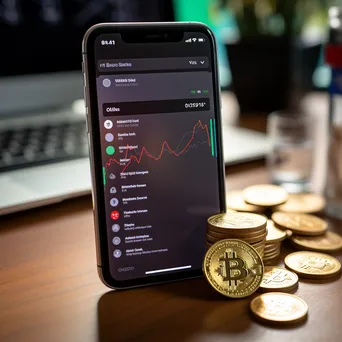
274, 239
236, 270
248, 227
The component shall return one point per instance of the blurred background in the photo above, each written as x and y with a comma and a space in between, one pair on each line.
271, 57
267, 48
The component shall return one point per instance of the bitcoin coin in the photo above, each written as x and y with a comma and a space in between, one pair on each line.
278, 279
272, 248
233, 268
273, 233
281, 308
235, 201
268, 257
258, 244
301, 224
265, 195
313, 264
237, 222
303, 203
228, 234
211, 236
329, 242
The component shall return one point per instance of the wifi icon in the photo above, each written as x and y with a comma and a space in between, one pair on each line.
194, 39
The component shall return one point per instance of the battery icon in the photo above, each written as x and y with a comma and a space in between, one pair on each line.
201, 40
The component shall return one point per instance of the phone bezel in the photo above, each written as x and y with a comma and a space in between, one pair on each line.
95, 146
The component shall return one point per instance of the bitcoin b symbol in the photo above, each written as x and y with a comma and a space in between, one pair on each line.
232, 268
276, 277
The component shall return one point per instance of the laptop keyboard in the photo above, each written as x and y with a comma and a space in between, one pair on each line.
33, 146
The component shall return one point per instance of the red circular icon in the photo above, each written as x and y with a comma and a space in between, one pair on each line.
114, 215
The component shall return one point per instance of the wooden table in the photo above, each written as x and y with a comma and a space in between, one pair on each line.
50, 291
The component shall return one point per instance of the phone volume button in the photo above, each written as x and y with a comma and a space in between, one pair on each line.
85, 96
87, 120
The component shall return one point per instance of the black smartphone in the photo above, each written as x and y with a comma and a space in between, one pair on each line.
154, 127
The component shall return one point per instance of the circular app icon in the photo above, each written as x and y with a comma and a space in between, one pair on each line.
114, 202
110, 150
117, 253
106, 82
113, 190
115, 228
115, 215
108, 124
109, 137
112, 176
116, 240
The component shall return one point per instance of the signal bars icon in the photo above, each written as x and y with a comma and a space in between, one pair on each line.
191, 40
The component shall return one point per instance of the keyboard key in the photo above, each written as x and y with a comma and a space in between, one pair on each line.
45, 144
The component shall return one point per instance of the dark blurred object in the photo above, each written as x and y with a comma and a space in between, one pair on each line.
261, 74
262, 60
45, 36
333, 56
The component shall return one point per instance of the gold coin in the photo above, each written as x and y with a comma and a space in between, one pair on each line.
329, 242
267, 257
237, 222
303, 203
281, 308
273, 233
237, 233
265, 195
301, 224
258, 244
313, 264
233, 268
235, 201
278, 279
251, 239
272, 250
213, 236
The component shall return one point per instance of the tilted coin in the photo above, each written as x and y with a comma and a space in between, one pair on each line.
233, 268
235, 201
265, 195
237, 222
303, 203
278, 279
282, 308
273, 233
329, 242
313, 264
301, 224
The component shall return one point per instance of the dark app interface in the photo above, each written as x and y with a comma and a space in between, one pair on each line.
159, 153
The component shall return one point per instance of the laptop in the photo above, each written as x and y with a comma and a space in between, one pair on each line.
43, 143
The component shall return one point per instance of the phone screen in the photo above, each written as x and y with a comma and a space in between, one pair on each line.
159, 152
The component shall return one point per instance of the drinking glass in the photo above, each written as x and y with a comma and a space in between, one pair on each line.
290, 160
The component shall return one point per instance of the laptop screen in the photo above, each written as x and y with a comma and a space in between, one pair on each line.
42, 36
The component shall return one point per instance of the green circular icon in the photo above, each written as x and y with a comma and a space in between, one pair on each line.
110, 150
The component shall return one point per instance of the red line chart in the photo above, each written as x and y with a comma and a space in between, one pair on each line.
165, 147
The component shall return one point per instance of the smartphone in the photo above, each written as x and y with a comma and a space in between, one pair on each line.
154, 128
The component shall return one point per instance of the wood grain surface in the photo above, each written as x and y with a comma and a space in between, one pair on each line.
50, 290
